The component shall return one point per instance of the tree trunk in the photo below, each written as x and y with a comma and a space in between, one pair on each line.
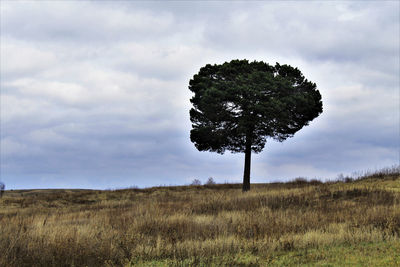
247, 163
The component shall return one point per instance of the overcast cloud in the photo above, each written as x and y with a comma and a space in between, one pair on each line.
94, 94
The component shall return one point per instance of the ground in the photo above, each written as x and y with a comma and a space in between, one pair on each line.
301, 223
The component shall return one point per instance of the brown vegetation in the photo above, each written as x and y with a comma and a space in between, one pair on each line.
197, 223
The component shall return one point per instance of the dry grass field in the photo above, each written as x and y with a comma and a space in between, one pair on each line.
300, 223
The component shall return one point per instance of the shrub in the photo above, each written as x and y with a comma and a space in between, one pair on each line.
196, 182
210, 181
300, 181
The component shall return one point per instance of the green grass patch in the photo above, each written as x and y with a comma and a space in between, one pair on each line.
363, 254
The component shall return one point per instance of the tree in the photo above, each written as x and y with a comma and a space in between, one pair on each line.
239, 104
2, 186
210, 181
196, 182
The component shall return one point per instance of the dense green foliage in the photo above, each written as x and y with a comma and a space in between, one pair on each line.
237, 101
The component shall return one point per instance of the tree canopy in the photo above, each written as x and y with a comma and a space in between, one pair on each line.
238, 105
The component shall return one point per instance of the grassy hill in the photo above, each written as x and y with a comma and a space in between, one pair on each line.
342, 223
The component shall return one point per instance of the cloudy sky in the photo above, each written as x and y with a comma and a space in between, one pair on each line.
94, 94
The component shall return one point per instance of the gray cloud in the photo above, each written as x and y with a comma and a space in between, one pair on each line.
94, 94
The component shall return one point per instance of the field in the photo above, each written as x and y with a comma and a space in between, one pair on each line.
300, 223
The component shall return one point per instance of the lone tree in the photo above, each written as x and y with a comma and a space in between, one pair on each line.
239, 104
2, 186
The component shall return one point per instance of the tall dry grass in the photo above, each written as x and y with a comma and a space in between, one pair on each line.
201, 223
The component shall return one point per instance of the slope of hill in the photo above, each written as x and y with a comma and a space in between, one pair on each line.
338, 223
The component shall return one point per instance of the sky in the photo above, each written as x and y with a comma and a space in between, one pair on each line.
94, 94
